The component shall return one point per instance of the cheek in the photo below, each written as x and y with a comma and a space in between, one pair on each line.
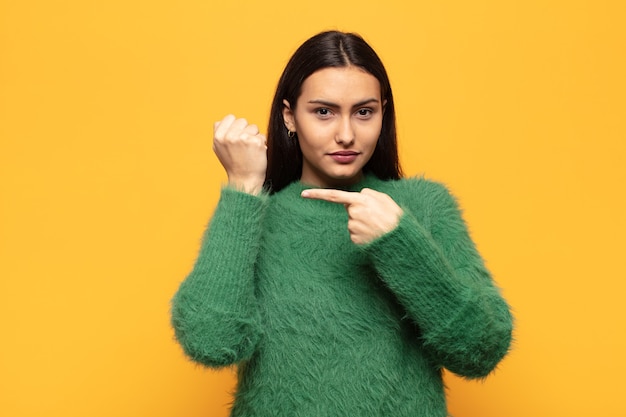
312, 136
370, 136
308, 145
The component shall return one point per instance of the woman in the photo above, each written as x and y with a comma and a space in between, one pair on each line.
336, 286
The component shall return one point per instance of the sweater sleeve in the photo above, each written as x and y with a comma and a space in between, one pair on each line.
440, 279
214, 312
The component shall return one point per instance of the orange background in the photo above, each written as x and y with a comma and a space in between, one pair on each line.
107, 180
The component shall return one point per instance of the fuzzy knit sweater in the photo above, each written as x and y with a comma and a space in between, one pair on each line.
322, 327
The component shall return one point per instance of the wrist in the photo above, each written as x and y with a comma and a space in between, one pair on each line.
252, 186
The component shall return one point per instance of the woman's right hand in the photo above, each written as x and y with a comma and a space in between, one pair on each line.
242, 151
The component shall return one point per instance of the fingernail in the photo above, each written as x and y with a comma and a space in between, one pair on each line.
305, 193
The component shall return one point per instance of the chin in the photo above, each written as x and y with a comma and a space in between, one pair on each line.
334, 176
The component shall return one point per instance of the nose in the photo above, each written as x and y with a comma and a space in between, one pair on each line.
345, 132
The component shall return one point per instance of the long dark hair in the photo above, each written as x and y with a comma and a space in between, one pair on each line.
327, 49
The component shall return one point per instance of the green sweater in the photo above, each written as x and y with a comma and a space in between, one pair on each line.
321, 327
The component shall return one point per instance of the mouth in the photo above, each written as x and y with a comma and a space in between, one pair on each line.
344, 157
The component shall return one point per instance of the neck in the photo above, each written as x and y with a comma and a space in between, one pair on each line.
327, 182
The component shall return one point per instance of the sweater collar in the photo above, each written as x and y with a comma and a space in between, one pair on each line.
289, 197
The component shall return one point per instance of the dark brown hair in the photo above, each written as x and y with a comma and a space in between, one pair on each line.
327, 49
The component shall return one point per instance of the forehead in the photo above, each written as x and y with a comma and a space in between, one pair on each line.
343, 84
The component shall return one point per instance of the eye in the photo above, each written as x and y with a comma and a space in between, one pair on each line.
323, 112
364, 113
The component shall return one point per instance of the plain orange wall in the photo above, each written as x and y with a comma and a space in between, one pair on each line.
107, 180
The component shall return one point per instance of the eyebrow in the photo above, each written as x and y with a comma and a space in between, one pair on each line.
331, 104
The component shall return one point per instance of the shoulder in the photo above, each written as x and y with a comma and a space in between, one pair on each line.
419, 192
429, 202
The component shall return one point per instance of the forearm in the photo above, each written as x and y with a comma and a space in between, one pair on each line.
446, 290
214, 312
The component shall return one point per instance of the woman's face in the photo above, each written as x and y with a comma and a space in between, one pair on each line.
337, 119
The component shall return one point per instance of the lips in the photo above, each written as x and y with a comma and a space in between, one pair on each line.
344, 157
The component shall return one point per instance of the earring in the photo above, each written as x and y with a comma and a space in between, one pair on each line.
290, 134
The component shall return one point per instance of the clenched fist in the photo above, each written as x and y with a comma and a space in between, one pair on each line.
242, 151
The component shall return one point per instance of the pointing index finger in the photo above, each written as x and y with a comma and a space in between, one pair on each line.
334, 196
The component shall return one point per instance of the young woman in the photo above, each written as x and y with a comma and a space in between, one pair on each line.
338, 287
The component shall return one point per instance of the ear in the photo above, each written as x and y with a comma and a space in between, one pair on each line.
384, 104
288, 117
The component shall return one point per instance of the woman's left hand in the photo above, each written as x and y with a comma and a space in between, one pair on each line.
371, 214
